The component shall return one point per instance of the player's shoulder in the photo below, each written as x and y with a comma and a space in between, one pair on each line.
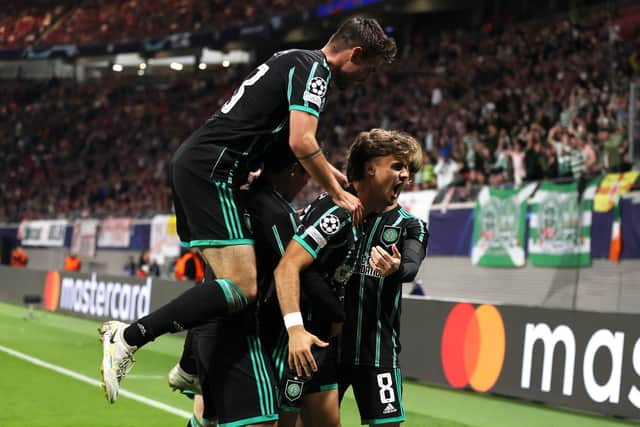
410, 220
299, 57
325, 206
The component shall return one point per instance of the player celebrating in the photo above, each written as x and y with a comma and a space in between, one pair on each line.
378, 168
287, 91
393, 249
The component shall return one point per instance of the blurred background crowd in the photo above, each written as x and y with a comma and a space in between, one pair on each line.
509, 102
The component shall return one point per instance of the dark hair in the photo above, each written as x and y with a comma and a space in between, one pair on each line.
368, 34
381, 143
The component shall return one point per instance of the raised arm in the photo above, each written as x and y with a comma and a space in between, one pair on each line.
302, 139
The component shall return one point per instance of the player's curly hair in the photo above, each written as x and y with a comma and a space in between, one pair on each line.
367, 33
380, 143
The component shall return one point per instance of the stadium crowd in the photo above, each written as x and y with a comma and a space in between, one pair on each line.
513, 103
112, 21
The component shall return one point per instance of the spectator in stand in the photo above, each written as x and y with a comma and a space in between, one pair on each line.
615, 147
425, 179
533, 159
445, 171
19, 257
152, 267
517, 160
559, 139
72, 262
130, 267
457, 96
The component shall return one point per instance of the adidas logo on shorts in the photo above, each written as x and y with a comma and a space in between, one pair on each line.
389, 409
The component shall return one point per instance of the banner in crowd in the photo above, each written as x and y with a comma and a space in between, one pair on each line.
83, 240
499, 227
560, 225
48, 233
615, 247
418, 203
613, 186
115, 232
164, 241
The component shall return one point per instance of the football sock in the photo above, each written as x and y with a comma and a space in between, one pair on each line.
193, 307
187, 360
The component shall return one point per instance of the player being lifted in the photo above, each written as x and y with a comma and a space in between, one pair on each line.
379, 165
288, 90
224, 350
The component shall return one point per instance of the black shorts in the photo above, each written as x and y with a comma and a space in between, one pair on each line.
209, 205
238, 384
293, 389
378, 392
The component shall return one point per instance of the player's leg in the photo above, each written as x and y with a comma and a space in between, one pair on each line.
184, 375
378, 393
243, 379
197, 419
321, 409
208, 214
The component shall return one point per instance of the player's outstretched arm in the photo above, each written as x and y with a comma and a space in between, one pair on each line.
287, 278
303, 143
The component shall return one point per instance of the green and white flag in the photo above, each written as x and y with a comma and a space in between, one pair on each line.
499, 226
560, 227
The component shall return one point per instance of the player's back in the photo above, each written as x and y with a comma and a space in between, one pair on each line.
261, 104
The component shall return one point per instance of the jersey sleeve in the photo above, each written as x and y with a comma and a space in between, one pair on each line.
417, 230
322, 226
414, 249
308, 84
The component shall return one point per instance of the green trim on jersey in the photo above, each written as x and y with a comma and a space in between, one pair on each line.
208, 243
193, 421
250, 421
279, 355
304, 244
289, 409
293, 222
278, 240
311, 74
367, 250
305, 109
379, 321
236, 299
290, 84
265, 390
229, 211
398, 375
327, 387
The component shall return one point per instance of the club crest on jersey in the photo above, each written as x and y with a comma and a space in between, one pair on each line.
330, 224
390, 235
293, 390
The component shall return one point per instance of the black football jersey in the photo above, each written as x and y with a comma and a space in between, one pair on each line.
371, 332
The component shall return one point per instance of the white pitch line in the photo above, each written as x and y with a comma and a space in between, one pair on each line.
88, 380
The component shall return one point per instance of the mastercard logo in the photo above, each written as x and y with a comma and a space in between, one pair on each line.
473, 346
52, 291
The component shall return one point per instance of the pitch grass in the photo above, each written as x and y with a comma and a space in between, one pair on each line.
31, 395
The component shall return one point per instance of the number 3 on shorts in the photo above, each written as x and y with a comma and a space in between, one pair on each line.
386, 388
260, 71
